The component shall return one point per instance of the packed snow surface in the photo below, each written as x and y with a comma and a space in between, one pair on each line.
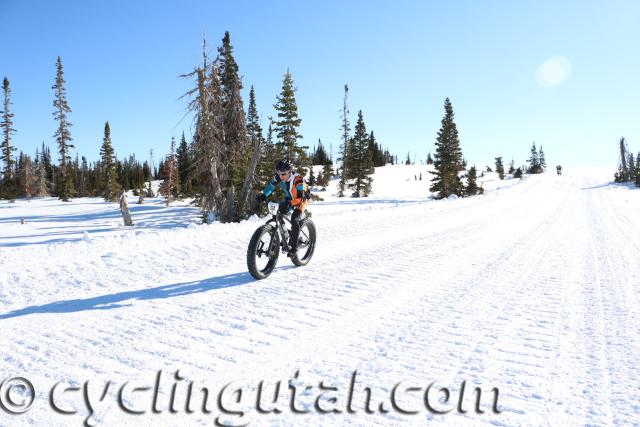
531, 289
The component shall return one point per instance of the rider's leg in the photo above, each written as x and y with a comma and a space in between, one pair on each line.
295, 229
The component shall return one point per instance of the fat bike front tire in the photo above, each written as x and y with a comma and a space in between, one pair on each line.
263, 251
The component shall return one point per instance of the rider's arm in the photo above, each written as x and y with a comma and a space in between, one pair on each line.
271, 185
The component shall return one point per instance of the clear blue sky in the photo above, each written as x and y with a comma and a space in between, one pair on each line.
401, 59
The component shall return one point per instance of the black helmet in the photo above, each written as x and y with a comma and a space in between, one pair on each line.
284, 165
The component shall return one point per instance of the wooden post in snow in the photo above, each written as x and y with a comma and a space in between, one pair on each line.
124, 208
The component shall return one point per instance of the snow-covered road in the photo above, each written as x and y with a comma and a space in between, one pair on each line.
532, 289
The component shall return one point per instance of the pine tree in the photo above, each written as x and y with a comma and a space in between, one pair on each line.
352, 156
632, 167
227, 68
159, 175
638, 169
512, 168
7, 184
140, 184
312, 156
408, 161
96, 180
83, 190
40, 187
623, 173
448, 157
62, 135
246, 203
344, 146
110, 186
268, 159
26, 176
319, 156
170, 186
236, 156
45, 155
146, 171
500, 167
534, 160
429, 159
76, 175
362, 163
472, 186
388, 157
326, 175
185, 166
286, 127
125, 181
542, 160
312, 177
518, 173
254, 130
376, 151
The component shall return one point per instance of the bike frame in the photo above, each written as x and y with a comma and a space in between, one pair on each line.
279, 220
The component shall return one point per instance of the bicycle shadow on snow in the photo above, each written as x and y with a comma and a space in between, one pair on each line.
123, 299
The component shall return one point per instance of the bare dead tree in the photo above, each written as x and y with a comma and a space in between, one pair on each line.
208, 144
224, 158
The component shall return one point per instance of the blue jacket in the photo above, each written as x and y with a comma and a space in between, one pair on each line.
293, 189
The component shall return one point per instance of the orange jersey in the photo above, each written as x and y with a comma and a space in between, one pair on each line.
293, 189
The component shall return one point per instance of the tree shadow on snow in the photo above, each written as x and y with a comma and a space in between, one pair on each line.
623, 185
370, 201
107, 302
150, 213
144, 218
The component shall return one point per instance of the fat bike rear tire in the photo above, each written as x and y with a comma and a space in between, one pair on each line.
306, 243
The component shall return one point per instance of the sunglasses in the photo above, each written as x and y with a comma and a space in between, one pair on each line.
283, 173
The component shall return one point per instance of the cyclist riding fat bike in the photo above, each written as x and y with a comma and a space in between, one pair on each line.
293, 187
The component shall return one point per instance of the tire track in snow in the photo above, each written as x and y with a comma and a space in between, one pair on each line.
406, 269
489, 325
294, 292
515, 346
615, 359
355, 322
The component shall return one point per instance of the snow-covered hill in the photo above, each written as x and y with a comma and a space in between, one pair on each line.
531, 289
410, 182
